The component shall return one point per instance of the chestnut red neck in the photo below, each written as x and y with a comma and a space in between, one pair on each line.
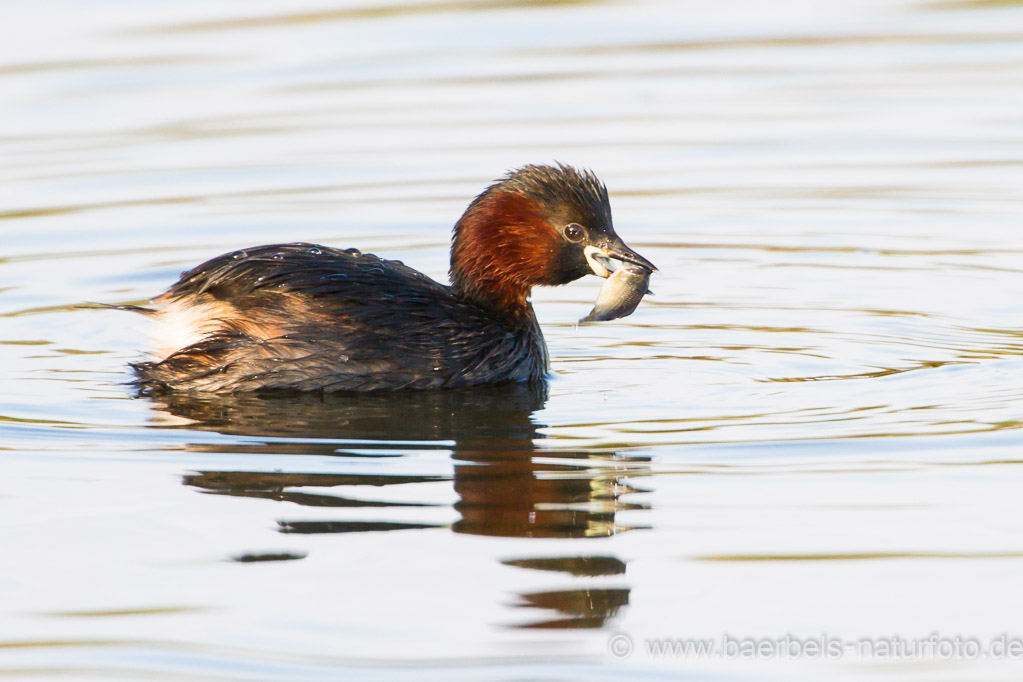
502, 248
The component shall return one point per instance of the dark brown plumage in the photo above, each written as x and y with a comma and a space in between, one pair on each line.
308, 317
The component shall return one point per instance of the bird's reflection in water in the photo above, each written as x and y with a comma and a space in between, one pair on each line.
506, 485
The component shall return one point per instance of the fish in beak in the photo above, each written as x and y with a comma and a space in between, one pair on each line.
601, 257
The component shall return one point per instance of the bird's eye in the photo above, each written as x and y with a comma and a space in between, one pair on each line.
574, 232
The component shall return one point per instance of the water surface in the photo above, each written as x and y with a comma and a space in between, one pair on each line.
811, 429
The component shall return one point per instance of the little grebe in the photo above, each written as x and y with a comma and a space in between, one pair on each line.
306, 317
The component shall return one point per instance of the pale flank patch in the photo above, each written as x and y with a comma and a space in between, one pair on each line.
180, 324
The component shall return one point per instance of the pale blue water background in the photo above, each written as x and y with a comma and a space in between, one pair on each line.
812, 428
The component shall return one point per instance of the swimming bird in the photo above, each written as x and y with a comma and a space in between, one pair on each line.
314, 318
